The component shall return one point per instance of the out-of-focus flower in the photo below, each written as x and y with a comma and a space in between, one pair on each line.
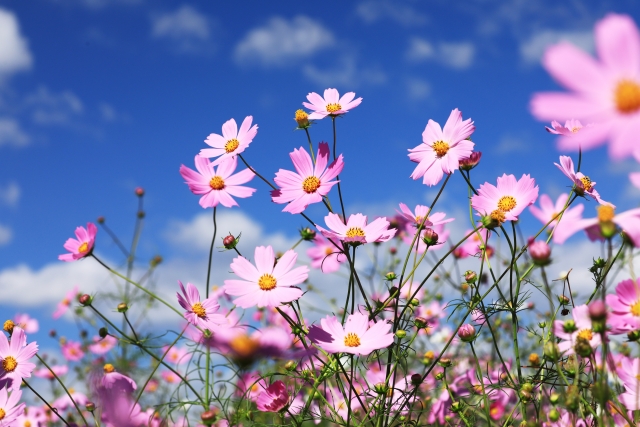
605, 92
470, 162
177, 355
14, 356
274, 398
356, 230
473, 245
310, 183
102, 345
64, 305
64, 401
628, 372
582, 183
72, 351
507, 200
356, 337
570, 332
442, 149
199, 313
540, 252
82, 245
27, 323
45, 373
232, 141
267, 284
9, 406
625, 307
605, 225
217, 186
325, 255
112, 379
548, 211
331, 105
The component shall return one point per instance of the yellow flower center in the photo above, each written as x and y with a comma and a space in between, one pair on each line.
27, 423
244, 346
9, 364
267, 282
301, 116
635, 308
586, 182
506, 203
494, 411
627, 96
332, 108
216, 183
605, 213
310, 184
84, 247
231, 145
328, 251
587, 334
575, 130
351, 340
9, 325
498, 216
355, 232
2, 413
199, 310
108, 368
429, 354
440, 147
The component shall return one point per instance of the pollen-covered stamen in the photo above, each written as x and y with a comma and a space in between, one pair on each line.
635, 309
328, 251
575, 129
586, 183
605, 213
310, 184
355, 232
506, 203
627, 96
332, 108
199, 310
231, 145
498, 216
216, 183
587, 334
351, 340
440, 147
244, 346
83, 248
9, 364
2, 413
108, 368
267, 282
9, 325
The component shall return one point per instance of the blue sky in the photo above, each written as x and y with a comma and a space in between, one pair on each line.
98, 97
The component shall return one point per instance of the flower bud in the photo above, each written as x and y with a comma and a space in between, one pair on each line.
380, 388
564, 311
420, 322
8, 326
100, 220
85, 299
456, 407
155, 261
141, 214
122, 307
599, 263
102, 332
470, 162
597, 310
525, 396
439, 376
429, 356
208, 417
534, 359
430, 237
416, 379
542, 324
229, 242
583, 347
554, 398
551, 351
393, 250
393, 292
490, 221
302, 119
540, 253
139, 191
401, 333
307, 234
470, 276
290, 365
444, 362
554, 415
467, 333
90, 406
390, 276
569, 326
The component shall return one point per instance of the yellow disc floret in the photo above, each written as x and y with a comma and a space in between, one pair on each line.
332, 108
231, 145
586, 183
199, 310
498, 216
267, 282
351, 340
2, 413
355, 232
8, 326
506, 203
108, 368
310, 184
587, 334
627, 97
605, 213
9, 364
635, 308
84, 247
216, 183
440, 147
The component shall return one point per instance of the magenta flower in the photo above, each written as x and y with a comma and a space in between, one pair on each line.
82, 245
267, 284
64, 305
356, 230
548, 211
232, 142
310, 183
112, 379
9, 406
605, 92
625, 307
325, 255
422, 212
72, 351
64, 401
199, 313
605, 225
583, 329
467, 332
217, 186
442, 149
14, 356
274, 398
331, 105
357, 337
582, 183
506, 201
102, 345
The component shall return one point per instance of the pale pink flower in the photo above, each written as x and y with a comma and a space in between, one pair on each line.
14, 356
607, 219
311, 182
473, 245
45, 373
32, 416
625, 307
27, 323
102, 345
232, 141
170, 377
357, 336
250, 385
568, 133
421, 212
442, 149
64, 305
507, 200
331, 105
112, 379
199, 313
217, 186
274, 398
82, 245
325, 255
177, 355
10, 407
629, 374
583, 329
356, 230
72, 351
64, 401
582, 183
548, 211
634, 177
606, 92
266, 284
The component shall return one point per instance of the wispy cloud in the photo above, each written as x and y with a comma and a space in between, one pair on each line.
48, 107
371, 11
12, 134
417, 88
346, 72
188, 30
10, 194
532, 49
458, 55
14, 49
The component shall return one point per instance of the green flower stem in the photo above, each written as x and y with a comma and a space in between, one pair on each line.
54, 410
213, 240
333, 122
313, 156
479, 375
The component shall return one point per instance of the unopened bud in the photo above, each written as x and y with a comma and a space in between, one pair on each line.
551, 351
139, 191
540, 253
393, 292
100, 220
415, 302
90, 406
420, 322
307, 234
445, 362
229, 242
380, 388
102, 332
155, 261
534, 359
456, 407
416, 379
583, 347
141, 214
302, 119
554, 415
554, 398
208, 417
470, 162
563, 299
597, 310
467, 333
122, 307
430, 237
290, 365
401, 333
569, 326
439, 376
390, 276
85, 299
633, 336
470, 276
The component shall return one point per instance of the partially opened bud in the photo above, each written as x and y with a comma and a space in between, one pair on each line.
540, 253
467, 333
430, 237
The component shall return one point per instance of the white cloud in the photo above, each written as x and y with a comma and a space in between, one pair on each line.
186, 28
532, 49
418, 88
372, 11
5, 235
458, 55
14, 50
53, 108
346, 73
281, 42
10, 194
11, 133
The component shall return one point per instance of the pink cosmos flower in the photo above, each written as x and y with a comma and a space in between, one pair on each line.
420, 246
232, 142
177, 355
250, 385
625, 307
548, 211
607, 222
274, 398
506, 201
325, 255
472, 246
634, 177
199, 313
442, 149
64, 401
357, 337
568, 133
583, 329
628, 372
112, 379
606, 92
45, 373
32, 416
82, 245
28, 324
14, 355
310, 184
170, 377
217, 186
267, 284
10, 407
102, 345
331, 105
356, 230
72, 351
64, 305
422, 212
583, 184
